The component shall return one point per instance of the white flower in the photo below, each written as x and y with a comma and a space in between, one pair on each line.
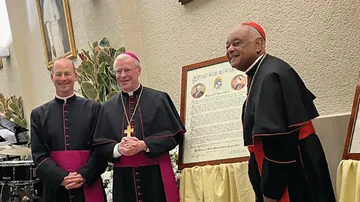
107, 176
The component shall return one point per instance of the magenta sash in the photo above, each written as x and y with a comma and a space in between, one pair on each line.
72, 161
167, 173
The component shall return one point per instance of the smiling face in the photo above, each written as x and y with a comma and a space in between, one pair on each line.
127, 74
63, 75
243, 46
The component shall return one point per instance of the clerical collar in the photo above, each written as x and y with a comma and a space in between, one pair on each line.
253, 64
65, 99
131, 93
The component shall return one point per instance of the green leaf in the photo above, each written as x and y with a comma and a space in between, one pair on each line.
102, 67
104, 42
21, 108
89, 90
8, 114
102, 93
88, 68
115, 87
91, 46
118, 52
106, 57
17, 120
86, 53
112, 52
13, 107
104, 80
111, 95
111, 73
23, 123
107, 50
121, 50
102, 59
83, 93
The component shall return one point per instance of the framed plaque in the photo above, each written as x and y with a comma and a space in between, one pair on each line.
212, 96
352, 143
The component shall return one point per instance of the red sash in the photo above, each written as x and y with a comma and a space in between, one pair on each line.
72, 161
167, 173
305, 131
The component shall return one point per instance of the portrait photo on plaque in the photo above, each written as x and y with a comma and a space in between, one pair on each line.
198, 90
238, 82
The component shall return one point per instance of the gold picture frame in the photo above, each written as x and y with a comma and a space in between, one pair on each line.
56, 30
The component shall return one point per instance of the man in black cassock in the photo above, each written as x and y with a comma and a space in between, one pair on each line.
61, 134
136, 130
287, 161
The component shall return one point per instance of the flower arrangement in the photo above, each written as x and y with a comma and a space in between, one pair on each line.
107, 176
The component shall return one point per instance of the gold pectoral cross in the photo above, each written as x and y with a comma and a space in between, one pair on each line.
128, 131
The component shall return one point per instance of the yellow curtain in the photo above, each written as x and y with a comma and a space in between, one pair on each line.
348, 181
220, 183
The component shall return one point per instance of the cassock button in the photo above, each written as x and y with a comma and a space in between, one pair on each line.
140, 200
136, 173
68, 144
66, 119
66, 111
67, 136
138, 187
137, 180
139, 194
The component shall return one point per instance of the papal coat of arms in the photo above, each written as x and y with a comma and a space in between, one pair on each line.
218, 82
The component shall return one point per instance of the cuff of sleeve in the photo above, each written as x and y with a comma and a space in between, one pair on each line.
116, 153
83, 174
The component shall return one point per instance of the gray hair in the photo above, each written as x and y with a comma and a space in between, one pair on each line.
125, 56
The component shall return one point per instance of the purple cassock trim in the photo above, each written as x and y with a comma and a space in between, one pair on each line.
167, 173
72, 161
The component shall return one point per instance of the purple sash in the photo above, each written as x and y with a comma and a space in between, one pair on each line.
72, 161
167, 173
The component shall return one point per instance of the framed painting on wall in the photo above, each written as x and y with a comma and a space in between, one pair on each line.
56, 30
212, 95
352, 143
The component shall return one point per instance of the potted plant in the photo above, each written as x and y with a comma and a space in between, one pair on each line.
96, 76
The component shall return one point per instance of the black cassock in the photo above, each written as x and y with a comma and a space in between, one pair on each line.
64, 126
286, 156
157, 122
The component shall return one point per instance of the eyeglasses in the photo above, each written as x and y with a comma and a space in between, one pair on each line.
126, 70
60, 74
